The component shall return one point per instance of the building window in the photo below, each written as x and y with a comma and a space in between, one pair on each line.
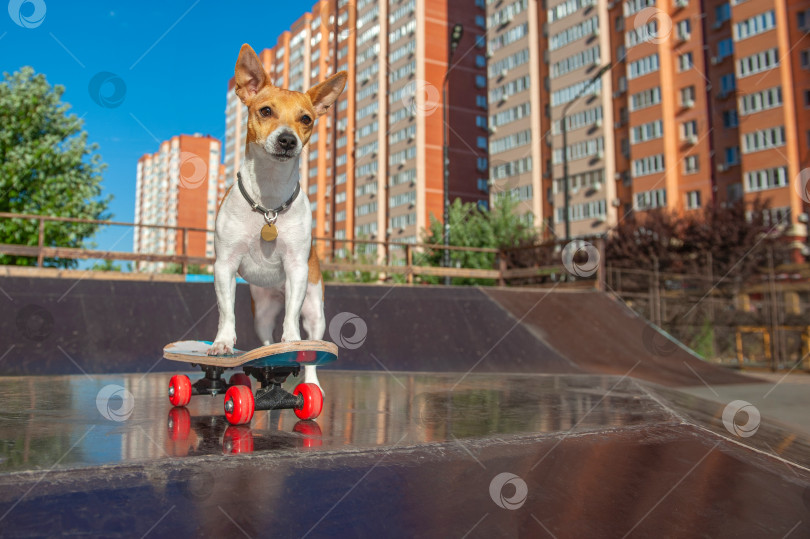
756, 63
483, 185
481, 142
481, 121
760, 180
804, 20
480, 61
645, 98
482, 164
759, 101
692, 200
688, 96
683, 29
480, 81
804, 57
480, 21
685, 61
733, 156
648, 131
481, 101
725, 48
649, 200
730, 118
753, 26
728, 83
734, 192
643, 66
689, 130
722, 13
763, 139
690, 164
648, 165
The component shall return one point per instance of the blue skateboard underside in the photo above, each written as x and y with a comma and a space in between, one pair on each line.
284, 359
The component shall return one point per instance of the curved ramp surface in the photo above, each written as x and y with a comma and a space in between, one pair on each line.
74, 326
599, 334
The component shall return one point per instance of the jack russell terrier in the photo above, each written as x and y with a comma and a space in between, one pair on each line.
264, 229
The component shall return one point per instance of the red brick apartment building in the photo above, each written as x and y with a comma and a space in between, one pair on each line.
700, 102
179, 185
374, 165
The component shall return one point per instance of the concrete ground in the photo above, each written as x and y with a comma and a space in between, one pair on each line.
785, 398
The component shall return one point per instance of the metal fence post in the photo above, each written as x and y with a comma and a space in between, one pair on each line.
41, 243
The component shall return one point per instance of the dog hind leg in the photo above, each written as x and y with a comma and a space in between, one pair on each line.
314, 322
266, 304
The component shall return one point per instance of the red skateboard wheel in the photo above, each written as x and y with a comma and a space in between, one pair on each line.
312, 433
237, 440
240, 379
179, 390
179, 423
313, 401
239, 405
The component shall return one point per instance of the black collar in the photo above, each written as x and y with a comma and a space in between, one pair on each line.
268, 213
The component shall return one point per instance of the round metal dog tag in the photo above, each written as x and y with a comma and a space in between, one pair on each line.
269, 232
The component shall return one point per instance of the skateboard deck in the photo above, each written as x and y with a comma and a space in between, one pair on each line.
285, 354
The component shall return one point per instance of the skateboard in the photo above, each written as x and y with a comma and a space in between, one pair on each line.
270, 365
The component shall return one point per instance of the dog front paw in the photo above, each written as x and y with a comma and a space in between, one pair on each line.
220, 348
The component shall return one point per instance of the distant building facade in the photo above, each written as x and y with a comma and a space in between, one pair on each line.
374, 165
179, 185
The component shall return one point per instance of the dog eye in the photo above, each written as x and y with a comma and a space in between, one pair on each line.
306, 120
265, 111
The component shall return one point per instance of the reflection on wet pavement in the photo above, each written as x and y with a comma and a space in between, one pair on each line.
113, 419
397, 455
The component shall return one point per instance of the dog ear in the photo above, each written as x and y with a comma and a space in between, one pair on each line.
326, 93
249, 74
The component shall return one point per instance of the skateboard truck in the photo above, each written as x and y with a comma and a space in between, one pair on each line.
271, 396
211, 384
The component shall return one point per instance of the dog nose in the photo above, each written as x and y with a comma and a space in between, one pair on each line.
286, 141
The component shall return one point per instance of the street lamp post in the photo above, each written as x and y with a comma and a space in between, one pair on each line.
564, 127
455, 37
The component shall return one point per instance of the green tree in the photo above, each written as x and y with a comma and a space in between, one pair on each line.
360, 256
471, 226
192, 269
109, 265
47, 167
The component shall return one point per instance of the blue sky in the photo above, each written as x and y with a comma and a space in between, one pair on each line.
174, 58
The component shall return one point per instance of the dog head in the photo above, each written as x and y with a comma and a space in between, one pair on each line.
281, 121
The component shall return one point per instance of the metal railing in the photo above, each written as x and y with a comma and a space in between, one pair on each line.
532, 264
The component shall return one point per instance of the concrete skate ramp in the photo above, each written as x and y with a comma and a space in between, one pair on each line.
71, 326
74, 326
599, 334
